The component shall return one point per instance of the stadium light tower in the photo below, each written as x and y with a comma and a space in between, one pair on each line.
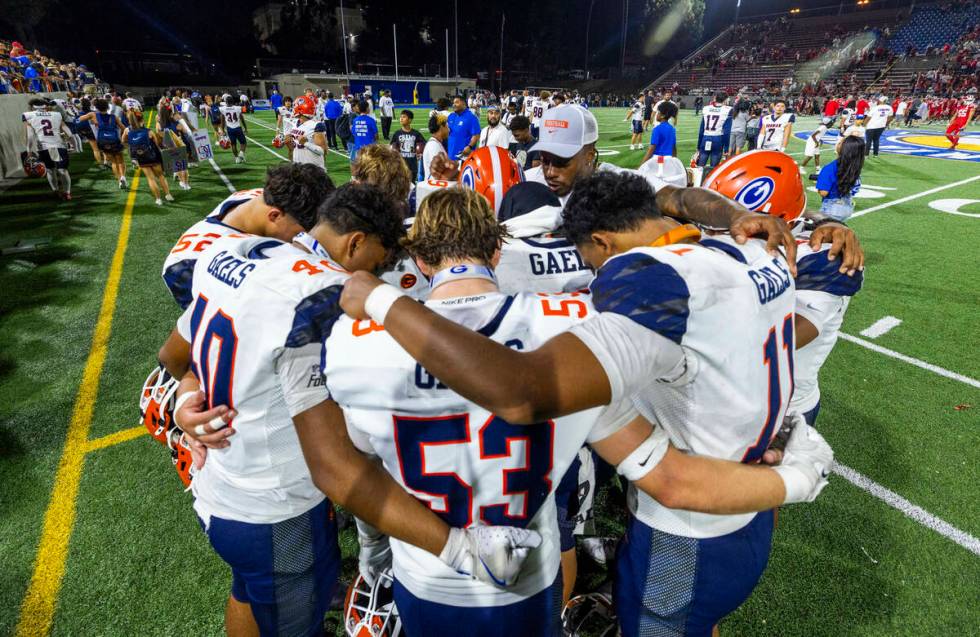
588, 27
343, 31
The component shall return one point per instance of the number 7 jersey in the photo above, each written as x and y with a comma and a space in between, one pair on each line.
469, 466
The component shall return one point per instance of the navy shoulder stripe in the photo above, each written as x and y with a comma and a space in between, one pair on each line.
727, 248
550, 244
815, 272
258, 250
491, 327
643, 289
314, 317
179, 279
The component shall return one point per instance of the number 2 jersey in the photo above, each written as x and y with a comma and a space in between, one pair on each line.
261, 311
469, 466
46, 126
178, 267
700, 338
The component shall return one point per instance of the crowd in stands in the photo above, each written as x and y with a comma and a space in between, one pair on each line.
23, 71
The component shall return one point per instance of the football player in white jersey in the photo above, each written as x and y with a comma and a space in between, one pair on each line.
777, 128
652, 325
450, 452
635, 116
715, 129
538, 106
823, 287
308, 137
262, 311
130, 103
45, 130
235, 127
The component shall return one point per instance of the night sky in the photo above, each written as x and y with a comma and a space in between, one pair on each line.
541, 34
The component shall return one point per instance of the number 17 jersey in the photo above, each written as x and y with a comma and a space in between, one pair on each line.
470, 467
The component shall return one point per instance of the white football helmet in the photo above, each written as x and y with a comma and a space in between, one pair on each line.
589, 614
157, 403
369, 611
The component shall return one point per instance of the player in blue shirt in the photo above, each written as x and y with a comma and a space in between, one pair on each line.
841, 179
364, 128
663, 139
464, 130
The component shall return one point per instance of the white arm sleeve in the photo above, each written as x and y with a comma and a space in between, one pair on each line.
184, 323
630, 354
817, 307
303, 385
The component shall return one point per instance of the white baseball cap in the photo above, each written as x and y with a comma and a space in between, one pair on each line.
565, 130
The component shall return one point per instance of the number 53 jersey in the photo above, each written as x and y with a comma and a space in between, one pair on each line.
469, 466
260, 312
730, 308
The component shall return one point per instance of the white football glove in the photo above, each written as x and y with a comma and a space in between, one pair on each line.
375, 554
491, 554
806, 463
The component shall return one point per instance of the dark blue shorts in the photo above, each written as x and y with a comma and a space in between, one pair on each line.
567, 503
286, 571
811, 416
637, 127
236, 135
536, 616
673, 585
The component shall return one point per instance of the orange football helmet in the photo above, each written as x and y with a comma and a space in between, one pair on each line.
278, 141
180, 455
761, 180
304, 106
369, 611
490, 171
157, 403
224, 142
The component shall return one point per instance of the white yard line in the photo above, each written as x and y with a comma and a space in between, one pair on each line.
221, 174
888, 496
924, 193
332, 150
261, 145
914, 512
881, 327
935, 369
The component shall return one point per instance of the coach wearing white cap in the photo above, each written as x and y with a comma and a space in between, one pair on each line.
566, 142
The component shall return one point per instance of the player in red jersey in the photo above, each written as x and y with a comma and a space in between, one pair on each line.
961, 117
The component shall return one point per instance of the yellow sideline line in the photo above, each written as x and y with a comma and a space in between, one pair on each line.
114, 438
37, 609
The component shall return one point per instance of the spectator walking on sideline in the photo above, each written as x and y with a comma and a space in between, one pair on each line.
332, 111
464, 130
409, 143
439, 131
879, 117
495, 133
364, 129
108, 129
840, 180
387, 108
144, 149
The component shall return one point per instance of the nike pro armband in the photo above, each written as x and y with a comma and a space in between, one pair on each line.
645, 457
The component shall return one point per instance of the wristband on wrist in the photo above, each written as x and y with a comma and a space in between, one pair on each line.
181, 399
798, 485
380, 300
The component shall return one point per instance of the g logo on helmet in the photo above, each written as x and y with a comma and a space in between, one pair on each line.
468, 177
756, 193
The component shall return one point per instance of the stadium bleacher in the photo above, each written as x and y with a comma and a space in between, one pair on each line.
935, 25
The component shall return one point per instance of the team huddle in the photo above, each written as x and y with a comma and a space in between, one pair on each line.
451, 362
